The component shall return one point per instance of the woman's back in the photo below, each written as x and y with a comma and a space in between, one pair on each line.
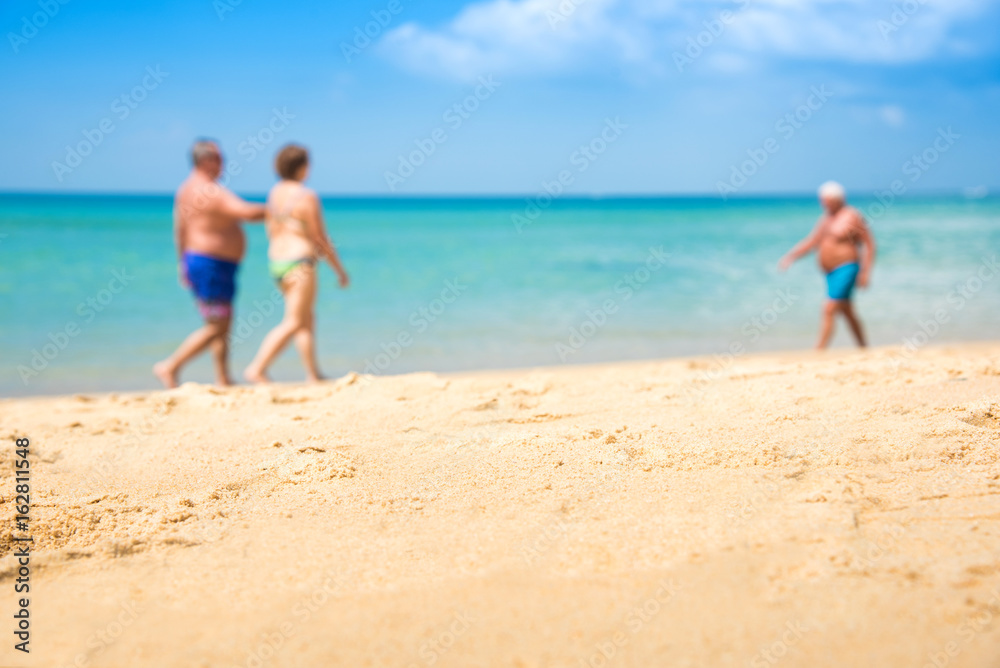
298, 240
288, 209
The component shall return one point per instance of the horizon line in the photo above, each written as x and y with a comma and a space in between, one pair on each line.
987, 193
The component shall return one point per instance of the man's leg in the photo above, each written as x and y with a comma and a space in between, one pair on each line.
830, 309
854, 323
193, 345
220, 353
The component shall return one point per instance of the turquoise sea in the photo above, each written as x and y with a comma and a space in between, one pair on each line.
89, 298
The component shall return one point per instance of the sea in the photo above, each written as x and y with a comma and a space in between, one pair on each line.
89, 297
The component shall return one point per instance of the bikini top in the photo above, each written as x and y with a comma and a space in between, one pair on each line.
285, 217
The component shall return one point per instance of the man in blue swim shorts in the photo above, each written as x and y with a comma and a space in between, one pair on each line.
838, 238
210, 245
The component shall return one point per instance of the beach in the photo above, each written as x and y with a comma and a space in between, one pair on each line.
792, 509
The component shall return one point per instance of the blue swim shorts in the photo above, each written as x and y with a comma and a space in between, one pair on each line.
840, 282
213, 282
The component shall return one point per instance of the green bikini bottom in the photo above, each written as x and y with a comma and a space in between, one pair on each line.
281, 268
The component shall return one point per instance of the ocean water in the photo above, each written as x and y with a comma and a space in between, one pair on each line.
457, 284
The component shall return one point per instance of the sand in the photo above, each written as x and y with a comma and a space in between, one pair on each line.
796, 510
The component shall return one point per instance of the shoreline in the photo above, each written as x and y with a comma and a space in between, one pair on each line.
709, 362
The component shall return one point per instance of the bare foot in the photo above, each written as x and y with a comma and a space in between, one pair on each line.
315, 379
166, 375
224, 382
254, 376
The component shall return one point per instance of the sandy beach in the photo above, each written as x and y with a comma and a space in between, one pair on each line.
795, 510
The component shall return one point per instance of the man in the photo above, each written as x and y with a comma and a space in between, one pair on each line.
836, 238
210, 245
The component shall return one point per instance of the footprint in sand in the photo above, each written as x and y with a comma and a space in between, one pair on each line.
986, 419
542, 417
276, 399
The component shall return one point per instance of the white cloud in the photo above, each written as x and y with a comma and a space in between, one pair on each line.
853, 30
554, 36
509, 36
892, 115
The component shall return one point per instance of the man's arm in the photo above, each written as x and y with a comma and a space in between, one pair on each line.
802, 248
228, 204
180, 241
866, 238
317, 231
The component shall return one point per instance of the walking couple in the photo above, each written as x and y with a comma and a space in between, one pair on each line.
211, 243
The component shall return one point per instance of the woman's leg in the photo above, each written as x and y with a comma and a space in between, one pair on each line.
306, 345
299, 289
305, 340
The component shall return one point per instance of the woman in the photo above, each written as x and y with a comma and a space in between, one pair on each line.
298, 239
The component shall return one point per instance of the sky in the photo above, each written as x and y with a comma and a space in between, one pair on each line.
599, 97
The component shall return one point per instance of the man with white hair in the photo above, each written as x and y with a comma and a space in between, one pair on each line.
210, 246
837, 239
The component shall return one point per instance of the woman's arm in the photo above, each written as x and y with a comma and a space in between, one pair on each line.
319, 237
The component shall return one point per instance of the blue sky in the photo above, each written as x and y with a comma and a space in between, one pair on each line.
559, 71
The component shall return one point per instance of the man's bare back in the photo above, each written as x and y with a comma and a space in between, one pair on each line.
209, 215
